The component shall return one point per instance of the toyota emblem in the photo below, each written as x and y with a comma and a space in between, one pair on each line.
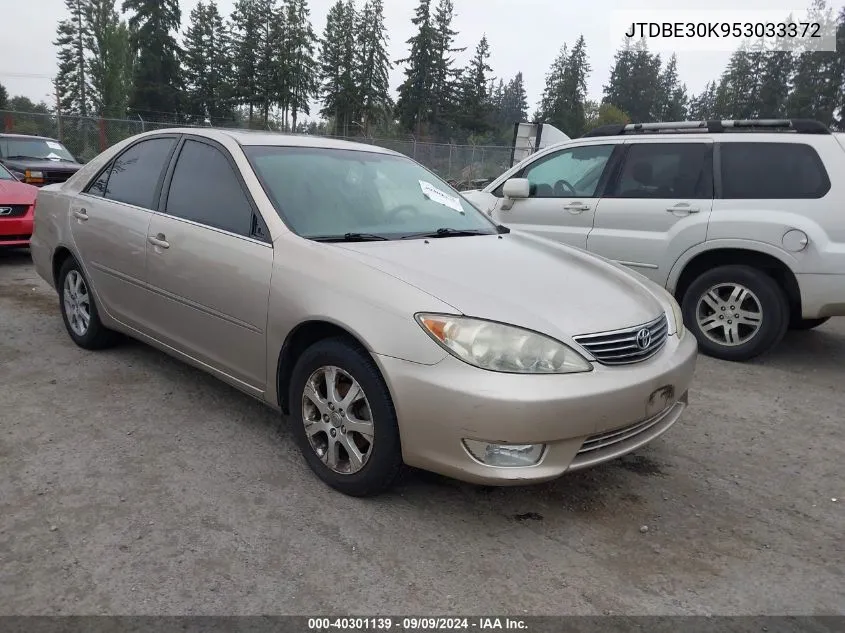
644, 338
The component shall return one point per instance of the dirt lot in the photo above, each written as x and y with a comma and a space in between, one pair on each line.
133, 484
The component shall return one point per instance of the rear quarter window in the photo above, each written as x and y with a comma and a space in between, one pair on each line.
772, 171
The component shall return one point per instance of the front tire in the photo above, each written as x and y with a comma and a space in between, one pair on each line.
79, 310
735, 312
343, 418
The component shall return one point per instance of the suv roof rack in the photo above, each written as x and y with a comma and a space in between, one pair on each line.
799, 126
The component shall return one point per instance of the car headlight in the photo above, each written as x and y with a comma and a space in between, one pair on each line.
502, 348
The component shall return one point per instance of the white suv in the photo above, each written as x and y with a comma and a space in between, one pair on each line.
743, 221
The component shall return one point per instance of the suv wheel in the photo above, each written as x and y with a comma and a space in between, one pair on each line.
343, 418
735, 312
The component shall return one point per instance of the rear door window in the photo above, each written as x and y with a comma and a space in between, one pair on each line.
135, 174
762, 171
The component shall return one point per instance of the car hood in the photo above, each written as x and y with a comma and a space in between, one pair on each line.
13, 192
39, 165
519, 279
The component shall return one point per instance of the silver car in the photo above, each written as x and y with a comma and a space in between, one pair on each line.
357, 293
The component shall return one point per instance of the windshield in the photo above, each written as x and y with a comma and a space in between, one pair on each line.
38, 148
336, 192
5, 174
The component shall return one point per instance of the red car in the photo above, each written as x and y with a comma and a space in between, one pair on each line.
17, 209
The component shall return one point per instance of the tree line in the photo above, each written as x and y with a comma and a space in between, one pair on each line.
264, 65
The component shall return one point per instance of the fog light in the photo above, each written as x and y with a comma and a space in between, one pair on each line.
505, 455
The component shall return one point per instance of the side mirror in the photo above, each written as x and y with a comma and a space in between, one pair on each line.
515, 189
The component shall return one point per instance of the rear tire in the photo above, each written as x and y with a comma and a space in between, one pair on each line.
348, 435
735, 312
79, 310
807, 324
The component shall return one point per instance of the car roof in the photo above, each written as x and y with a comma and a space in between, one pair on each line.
265, 138
14, 135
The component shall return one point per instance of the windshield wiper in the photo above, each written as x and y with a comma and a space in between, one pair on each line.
446, 232
350, 237
22, 157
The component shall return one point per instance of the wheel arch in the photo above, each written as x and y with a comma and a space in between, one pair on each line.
760, 256
297, 341
60, 256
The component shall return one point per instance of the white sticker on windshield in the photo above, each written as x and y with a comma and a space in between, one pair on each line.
54, 145
433, 193
52, 156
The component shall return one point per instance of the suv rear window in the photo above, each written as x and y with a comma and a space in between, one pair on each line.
772, 170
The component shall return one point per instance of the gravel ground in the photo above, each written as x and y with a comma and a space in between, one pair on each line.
131, 483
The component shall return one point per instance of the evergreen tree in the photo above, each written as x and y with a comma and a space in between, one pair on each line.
157, 82
775, 82
245, 36
702, 107
840, 69
337, 67
565, 95
738, 94
414, 105
634, 84
549, 102
475, 99
300, 83
672, 97
4, 97
570, 116
374, 65
111, 60
447, 79
269, 84
817, 88
72, 82
207, 64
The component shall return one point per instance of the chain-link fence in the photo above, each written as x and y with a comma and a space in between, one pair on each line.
464, 166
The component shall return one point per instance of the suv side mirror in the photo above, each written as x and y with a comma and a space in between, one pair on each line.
515, 189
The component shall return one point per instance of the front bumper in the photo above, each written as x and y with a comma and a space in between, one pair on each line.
583, 419
16, 231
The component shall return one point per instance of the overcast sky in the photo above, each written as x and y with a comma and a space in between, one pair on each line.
524, 35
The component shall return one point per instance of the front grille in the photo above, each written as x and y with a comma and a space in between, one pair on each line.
603, 440
631, 345
53, 177
13, 210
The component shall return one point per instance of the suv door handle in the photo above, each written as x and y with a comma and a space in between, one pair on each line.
683, 208
577, 207
158, 240
80, 214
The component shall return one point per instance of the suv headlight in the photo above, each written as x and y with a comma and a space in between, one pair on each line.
502, 348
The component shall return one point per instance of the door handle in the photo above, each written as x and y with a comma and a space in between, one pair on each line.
683, 208
158, 240
80, 214
577, 207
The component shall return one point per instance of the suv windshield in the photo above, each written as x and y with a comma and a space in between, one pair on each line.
338, 193
37, 148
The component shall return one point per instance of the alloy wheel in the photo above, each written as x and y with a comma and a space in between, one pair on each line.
338, 420
729, 314
77, 302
